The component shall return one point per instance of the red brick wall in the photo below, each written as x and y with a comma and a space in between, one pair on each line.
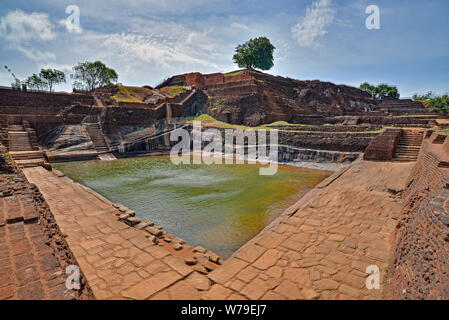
198, 80
383, 145
42, 99
419, 267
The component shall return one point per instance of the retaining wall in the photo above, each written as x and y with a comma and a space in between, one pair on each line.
382, 147
420, 262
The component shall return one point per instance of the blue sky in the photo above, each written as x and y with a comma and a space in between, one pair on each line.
147, 41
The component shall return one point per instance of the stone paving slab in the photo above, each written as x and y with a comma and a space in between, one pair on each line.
319, 250
28, 268
118, 261
322, 250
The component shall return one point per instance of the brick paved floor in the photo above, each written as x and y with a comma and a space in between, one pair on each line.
320, 252
28, 268
118, 261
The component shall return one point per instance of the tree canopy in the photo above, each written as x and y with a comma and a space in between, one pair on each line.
36, 82
91, 75
381, 91
17, 82
256, 53
51, 77
437, 103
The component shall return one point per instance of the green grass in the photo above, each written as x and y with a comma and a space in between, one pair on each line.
130, 94
284, 123
177, 90
236, 73
305, 131
445, 131
205, 118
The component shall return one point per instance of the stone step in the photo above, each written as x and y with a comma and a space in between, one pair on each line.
25, 155
404, 156
406, 153
443, 164
403, 160
30, 163
97, 136
409, 146
407, 150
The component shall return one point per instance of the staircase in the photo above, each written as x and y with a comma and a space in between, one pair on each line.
97, 136
21, 147
408, 146
443, 164
28, 159
403, 106
19, 139
32, 135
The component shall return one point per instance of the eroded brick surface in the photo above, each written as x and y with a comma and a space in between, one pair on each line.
24, 272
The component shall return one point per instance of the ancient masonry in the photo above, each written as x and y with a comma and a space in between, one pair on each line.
33, 251
389, 210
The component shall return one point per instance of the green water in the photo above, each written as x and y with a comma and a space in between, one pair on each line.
219, 207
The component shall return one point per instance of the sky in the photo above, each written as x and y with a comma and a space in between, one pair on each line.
148, 41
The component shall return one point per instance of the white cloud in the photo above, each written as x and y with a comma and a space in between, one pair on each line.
312, 26
62, 67
70, 26
240, 26
21, 31
18, 26
135, 49
35, 54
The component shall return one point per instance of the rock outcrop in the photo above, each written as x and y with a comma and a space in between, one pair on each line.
250, 97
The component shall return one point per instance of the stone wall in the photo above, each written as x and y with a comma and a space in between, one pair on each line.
289, 154
20, 98
285, 154
331, 128
198, 80
13, 183
337, 141
48, 113
382, 147
420, 262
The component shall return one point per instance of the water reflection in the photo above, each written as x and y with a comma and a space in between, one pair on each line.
219, 207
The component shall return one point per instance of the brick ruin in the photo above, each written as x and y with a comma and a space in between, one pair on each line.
419, 267
33, 251
342, 123
250, 97
84, 125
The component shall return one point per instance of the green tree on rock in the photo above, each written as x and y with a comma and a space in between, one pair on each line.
52, 77
384, 90
256, 53
368, 88
381, 91
91, 75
